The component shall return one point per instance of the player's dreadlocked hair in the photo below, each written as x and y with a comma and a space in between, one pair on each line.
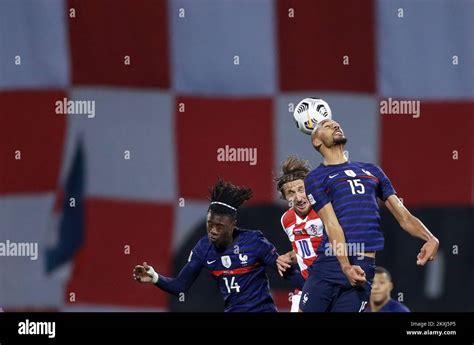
293, 168
226, 198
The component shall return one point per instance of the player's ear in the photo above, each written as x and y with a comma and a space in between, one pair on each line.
315, 139
316, 142
390, 287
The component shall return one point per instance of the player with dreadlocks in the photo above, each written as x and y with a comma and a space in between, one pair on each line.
235, 257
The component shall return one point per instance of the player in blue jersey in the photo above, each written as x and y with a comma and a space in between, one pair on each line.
344, 194
235, 257
380, 300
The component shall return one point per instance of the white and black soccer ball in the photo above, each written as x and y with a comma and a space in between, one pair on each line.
309, 112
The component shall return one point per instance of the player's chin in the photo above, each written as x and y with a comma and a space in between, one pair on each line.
303, 209
339, 139
376, 297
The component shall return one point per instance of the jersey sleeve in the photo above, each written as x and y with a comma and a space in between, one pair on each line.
266, 251
316, 192
269, 255
385, 188
282, 223
283, 226
186, 276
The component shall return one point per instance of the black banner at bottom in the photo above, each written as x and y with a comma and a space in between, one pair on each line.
220, 328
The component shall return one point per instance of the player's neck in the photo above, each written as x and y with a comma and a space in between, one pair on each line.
334, 155
226, 242
301, 215
376, 307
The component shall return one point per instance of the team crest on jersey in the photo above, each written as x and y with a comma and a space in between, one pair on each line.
243, 259
314, 230
226, 262
311, 230
350, 173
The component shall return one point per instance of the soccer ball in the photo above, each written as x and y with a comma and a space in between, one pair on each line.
309, 112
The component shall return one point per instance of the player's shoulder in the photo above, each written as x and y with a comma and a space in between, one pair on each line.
248, 233
318, 170
288, 218
366, 165
361, 164
203, 245
201, 249
247, 236
316, 174
399, 307
313, 214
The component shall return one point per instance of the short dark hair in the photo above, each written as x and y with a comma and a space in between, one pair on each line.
381, 270
293, 168
226, 198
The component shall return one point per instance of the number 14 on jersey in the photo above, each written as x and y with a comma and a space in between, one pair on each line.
232, 286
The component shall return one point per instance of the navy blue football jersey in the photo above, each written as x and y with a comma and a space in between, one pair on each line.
238, 269
392, 306
353, 189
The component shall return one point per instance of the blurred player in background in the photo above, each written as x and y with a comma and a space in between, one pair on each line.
345, 196
235, 257
301, 223
380, 300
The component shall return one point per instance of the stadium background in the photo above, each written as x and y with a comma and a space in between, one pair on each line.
151, 207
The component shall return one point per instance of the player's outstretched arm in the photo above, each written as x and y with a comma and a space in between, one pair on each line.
354, 273
285, 261
175, 286
269, 256
414, 227
145, 274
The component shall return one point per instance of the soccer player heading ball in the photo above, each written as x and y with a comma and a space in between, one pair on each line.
235, 257
344, 194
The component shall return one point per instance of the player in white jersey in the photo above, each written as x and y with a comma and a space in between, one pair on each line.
300, 222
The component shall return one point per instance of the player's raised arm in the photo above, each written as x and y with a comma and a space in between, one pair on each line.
414, 227
175, 286
406, 220
285, 261
354, 273
269, 256
267, 251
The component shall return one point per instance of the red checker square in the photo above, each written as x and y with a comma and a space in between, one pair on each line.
104, 32
312, 45
33, 132
430, 159
281, 297
207, 133
103, 268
